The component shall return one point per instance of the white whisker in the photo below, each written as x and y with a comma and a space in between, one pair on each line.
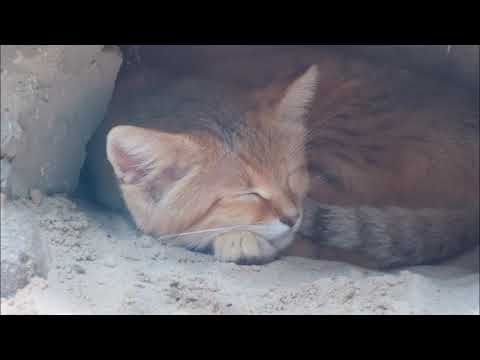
169, 236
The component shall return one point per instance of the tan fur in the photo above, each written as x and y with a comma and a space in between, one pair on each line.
375, 136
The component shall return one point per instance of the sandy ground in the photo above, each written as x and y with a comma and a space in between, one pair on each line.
101, 265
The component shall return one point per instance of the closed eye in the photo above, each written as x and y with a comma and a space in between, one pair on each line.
251, 193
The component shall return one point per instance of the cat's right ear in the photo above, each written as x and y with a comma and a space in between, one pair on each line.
139, 156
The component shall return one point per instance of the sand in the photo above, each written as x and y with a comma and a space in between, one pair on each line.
99, 264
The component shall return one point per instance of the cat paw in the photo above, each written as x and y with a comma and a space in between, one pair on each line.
243, 247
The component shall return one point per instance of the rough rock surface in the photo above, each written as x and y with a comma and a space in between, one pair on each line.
24, 252
52, 99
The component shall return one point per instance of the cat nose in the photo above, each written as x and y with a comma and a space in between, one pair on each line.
290, 220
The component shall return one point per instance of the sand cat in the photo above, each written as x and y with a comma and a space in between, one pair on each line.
251, 157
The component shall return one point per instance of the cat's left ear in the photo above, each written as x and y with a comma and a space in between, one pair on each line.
297, 98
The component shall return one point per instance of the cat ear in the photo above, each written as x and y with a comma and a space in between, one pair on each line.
298, 96
140, 155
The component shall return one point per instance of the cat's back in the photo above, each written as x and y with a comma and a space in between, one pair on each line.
386, 136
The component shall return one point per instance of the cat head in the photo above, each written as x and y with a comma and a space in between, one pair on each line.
255, 179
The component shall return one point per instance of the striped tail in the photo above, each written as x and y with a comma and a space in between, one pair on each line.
391, 237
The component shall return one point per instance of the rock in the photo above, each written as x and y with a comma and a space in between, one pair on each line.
180, 313
110, 261
24, 252
131, 257
78, 269
36, 196
53, 97
144, 278
146, 242
5, 167
3, 201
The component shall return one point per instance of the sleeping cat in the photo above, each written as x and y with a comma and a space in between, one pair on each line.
365, 159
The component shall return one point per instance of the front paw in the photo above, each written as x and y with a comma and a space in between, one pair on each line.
243, 247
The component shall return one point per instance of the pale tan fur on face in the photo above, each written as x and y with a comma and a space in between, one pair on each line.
181, 183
